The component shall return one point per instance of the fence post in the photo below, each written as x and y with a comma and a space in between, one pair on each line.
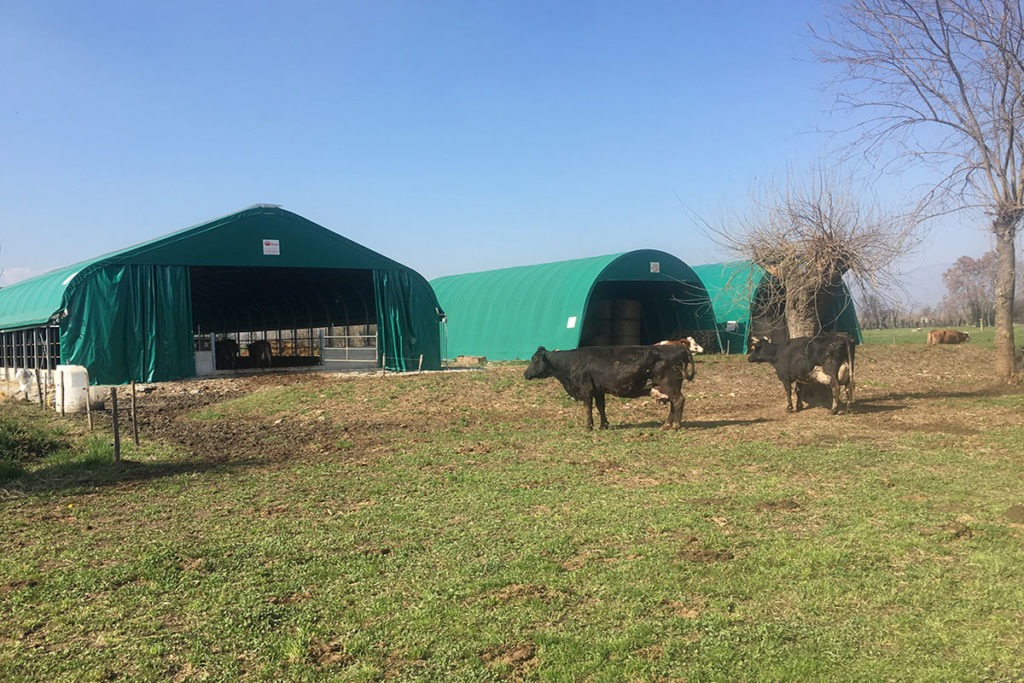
39, 388
420, 368
88, 400
135, 422
117, 427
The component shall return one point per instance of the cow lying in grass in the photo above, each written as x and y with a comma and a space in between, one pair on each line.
948, 337
826, 359
587, 374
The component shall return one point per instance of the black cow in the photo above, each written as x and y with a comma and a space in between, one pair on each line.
826, 359
226, 351
629, 371
259, 353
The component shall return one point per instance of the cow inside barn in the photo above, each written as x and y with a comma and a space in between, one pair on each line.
827, 359
226, 351
589, 373
948, 337
259, 354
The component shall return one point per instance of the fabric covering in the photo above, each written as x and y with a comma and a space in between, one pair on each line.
126, 321
408, 341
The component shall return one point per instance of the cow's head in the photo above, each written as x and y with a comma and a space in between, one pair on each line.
762, 350
538, 367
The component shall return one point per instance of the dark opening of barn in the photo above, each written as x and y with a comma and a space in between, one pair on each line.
269, 287
638, 297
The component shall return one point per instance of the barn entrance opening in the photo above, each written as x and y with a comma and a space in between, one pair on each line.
627, 313
305, 316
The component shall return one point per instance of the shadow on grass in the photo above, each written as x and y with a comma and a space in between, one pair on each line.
691, 424
103, 471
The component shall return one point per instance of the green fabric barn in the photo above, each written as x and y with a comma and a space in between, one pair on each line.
134, 315
638, 297
740, 290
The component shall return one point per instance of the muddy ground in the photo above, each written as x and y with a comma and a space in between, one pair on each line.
899, 389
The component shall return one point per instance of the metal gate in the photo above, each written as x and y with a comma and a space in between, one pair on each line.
349, 351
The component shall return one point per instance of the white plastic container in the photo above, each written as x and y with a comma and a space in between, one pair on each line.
71, 388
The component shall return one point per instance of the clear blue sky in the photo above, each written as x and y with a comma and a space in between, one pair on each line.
452, 136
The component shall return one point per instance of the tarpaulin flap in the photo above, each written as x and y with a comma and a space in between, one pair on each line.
129, 323
407, 321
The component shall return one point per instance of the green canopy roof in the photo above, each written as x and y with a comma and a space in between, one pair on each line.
130, 314
32, 303
506, 314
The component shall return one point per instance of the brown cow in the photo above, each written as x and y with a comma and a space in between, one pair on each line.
948, 337
688, 342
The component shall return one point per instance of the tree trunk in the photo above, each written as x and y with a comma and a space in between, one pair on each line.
801, 314
1005, 272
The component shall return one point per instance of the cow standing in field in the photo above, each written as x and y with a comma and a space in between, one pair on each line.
259, 353
948, 337
589, 373
826, 359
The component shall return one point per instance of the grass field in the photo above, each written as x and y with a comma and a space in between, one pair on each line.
461, 526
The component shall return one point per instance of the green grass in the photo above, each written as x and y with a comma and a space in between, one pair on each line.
496, 548
983, 338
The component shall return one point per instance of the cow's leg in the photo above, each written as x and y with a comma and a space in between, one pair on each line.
788, 386
834, 386
675, 413
599, 398
588, 406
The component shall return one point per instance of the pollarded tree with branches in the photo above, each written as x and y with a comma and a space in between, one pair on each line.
810, 236
942, 82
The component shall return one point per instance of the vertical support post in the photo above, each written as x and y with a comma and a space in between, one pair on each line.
88, 401
135, 422
117, 426
63, 395
420, 368
39, 389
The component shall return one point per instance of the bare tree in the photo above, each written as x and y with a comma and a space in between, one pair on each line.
808, 236
970, 289
943, 80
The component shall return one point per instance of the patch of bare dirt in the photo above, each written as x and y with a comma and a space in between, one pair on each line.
899, 389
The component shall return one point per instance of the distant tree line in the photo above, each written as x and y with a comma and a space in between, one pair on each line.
970, 300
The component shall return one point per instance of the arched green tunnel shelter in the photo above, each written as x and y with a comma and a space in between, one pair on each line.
637, 297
